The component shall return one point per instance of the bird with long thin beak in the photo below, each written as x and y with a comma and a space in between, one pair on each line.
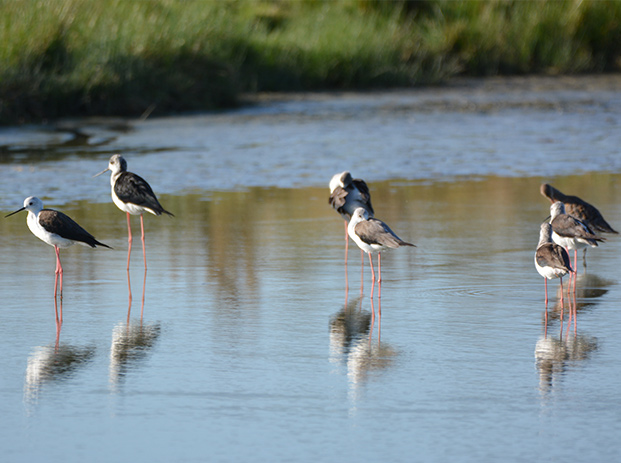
56, 229
133, 195
373, 236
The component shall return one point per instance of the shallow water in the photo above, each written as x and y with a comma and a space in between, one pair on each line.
251, 349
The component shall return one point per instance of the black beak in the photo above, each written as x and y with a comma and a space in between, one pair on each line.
18, 210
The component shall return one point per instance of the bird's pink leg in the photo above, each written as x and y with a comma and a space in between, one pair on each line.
129, 240
144, 251
575, 261
546, 284
562, 304
372, 275
58, 274
379, 280
346, 242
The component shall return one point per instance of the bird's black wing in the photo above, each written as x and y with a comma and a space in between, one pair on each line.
364, 192
131, 188
64, 226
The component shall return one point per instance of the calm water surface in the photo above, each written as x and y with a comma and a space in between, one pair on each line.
253, 345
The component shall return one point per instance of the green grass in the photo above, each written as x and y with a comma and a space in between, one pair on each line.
123, 57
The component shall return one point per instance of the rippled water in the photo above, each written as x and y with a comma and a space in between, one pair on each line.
250, 347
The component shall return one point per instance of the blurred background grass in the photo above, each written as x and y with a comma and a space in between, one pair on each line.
117, 57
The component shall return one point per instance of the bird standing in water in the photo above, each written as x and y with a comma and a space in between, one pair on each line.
133, 195
56, 229
551, 260
373, 236
346, 195
579, 209
569, 232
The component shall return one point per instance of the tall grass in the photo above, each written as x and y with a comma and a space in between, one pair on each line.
105, 57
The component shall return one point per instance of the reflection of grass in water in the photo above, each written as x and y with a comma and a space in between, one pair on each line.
111, 57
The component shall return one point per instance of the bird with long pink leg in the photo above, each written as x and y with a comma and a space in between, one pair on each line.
373, 236
133, 195
346, 195
58, 230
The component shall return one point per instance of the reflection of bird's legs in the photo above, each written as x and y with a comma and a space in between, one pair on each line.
144, 285
545, 329
129, 289
59, 324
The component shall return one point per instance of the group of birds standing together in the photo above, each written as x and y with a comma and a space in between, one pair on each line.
351, 198
130, 192
574, 224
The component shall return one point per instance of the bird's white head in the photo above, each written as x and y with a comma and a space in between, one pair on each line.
116, 165
359, 215
557, 208
545, 233
343, 179
31, 204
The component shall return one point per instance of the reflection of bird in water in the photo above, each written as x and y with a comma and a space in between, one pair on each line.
133, 195
373, 236
346, 195
551, 260
587, 289
130, 344
347, 326
52, 363
56, 229
350, 342
553, 355
569, 232
365, 358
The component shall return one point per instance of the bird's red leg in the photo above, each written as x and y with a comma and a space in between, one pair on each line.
144, 251
379, 280
59, 274
546, 284
129, 240
372, 275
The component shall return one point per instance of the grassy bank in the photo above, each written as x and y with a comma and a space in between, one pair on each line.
125, 57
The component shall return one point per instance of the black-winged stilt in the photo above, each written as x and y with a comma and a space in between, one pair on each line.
551, 260
56, 229
569, 232
579, 209
133, 195
373, 236
346, 195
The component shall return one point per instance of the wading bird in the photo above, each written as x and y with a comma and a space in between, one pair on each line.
569, 232
551, 260
133, 195
56, 229
373, 236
